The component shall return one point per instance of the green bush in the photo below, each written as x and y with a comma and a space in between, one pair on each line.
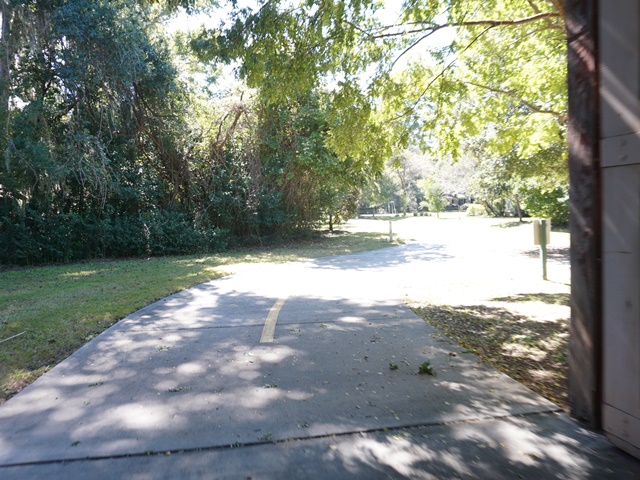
476, 210
30, 237
553, 204
27, 237
174, 233
123, 235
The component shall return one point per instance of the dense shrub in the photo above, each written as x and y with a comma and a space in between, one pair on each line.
476, 210
115, 158
32, 238
553, 204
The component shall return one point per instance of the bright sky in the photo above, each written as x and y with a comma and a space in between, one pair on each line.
389, 15
186, 22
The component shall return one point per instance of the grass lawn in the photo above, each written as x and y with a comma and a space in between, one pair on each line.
46, 313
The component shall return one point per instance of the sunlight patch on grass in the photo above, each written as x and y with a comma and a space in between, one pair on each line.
84, 273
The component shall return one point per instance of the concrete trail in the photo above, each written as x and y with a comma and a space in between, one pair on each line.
303, 370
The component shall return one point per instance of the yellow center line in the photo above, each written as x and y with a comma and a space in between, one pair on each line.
269, 329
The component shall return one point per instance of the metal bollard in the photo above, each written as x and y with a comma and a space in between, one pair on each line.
541, 237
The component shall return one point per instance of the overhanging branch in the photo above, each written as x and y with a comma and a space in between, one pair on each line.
411, 109
529, 105
422, 27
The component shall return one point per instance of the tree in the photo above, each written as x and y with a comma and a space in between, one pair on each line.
406, 172
92, 79
502, 76
434, 201
379, 191
511, 184
108, 150
94, 137
299, 162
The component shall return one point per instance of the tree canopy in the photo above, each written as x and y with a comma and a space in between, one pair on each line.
455, 75
109, 149
499, 71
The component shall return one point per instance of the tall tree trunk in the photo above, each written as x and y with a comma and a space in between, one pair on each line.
585, 346
489, 208
516, 199
5, 80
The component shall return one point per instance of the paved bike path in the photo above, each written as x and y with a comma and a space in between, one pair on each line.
191, 387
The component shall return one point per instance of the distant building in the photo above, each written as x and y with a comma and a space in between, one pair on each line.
455, 200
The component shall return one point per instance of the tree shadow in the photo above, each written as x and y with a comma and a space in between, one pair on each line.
397, 255
513, 224
191, 371
532, 352
337, 391
532, 446
559, 254
189, 376
548, 298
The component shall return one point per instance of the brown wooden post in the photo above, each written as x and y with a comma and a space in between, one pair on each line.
585, 348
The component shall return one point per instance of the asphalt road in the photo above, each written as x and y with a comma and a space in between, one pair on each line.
303, 370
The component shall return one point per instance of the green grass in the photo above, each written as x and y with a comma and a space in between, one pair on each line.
54, 310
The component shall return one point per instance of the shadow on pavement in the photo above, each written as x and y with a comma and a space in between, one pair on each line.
548, 298
385, 257
185, 388
207, 382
